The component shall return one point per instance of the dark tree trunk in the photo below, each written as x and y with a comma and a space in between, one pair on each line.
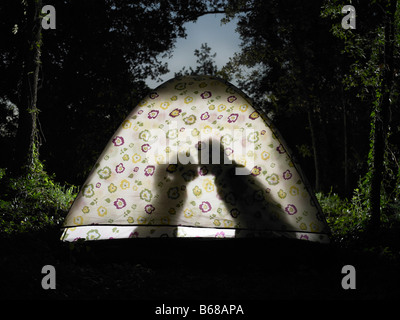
382, 118
311, 123
26, 142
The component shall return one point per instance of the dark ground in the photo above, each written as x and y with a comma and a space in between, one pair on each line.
186, 269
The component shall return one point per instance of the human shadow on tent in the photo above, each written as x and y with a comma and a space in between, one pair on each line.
246, 197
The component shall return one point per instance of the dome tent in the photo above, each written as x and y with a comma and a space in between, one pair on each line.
195, 159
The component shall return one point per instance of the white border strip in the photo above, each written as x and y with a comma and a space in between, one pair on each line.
96, 232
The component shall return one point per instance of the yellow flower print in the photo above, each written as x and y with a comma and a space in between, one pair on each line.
196, 191
265, 155
78, 220
160, 159
141, 220
195, 132
124, 184
165, 220
164, 105
172, 211
303, 226
208, 185
242, 161
217, 223
188, 213
228, 223
101, 211
294, 191
143, 103
221, 107
243, 107
314, 227
85, 209
125, 157
188, 100
126, 124
135, 188
135, 128
254, 115
211, 107
136, 158
207, 129
130, 220
174, 98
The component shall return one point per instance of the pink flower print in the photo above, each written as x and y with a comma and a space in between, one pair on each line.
149, 209
118, 141
203, 171
204, 116
134, 235
231, 99
119, 168
146, 147
120, 203
228, 151
255, 171
153, 95
98, 185
174, 113
153, 114
149, 170
220, 234
233, 117
205, 206
304, 237
287, 175
280, 149
291, 209
206, 94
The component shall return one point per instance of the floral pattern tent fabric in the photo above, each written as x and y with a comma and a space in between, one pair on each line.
195, 159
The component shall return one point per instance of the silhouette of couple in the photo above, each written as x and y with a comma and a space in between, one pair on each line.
244, 195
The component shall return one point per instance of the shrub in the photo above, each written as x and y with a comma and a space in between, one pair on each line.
33, 202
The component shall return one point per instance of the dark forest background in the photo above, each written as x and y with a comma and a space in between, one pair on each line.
332, 92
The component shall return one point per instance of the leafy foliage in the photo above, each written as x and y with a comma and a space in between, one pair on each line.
33, 202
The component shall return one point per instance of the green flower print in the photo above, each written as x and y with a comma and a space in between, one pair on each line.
173, 193
273, 179
145, 135
172, 134
281, 194
104, 173
253, 137
88, 191
180, 86
146, 195
190, 120
92, 234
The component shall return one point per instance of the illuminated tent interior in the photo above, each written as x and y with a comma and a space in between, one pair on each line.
195, 159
